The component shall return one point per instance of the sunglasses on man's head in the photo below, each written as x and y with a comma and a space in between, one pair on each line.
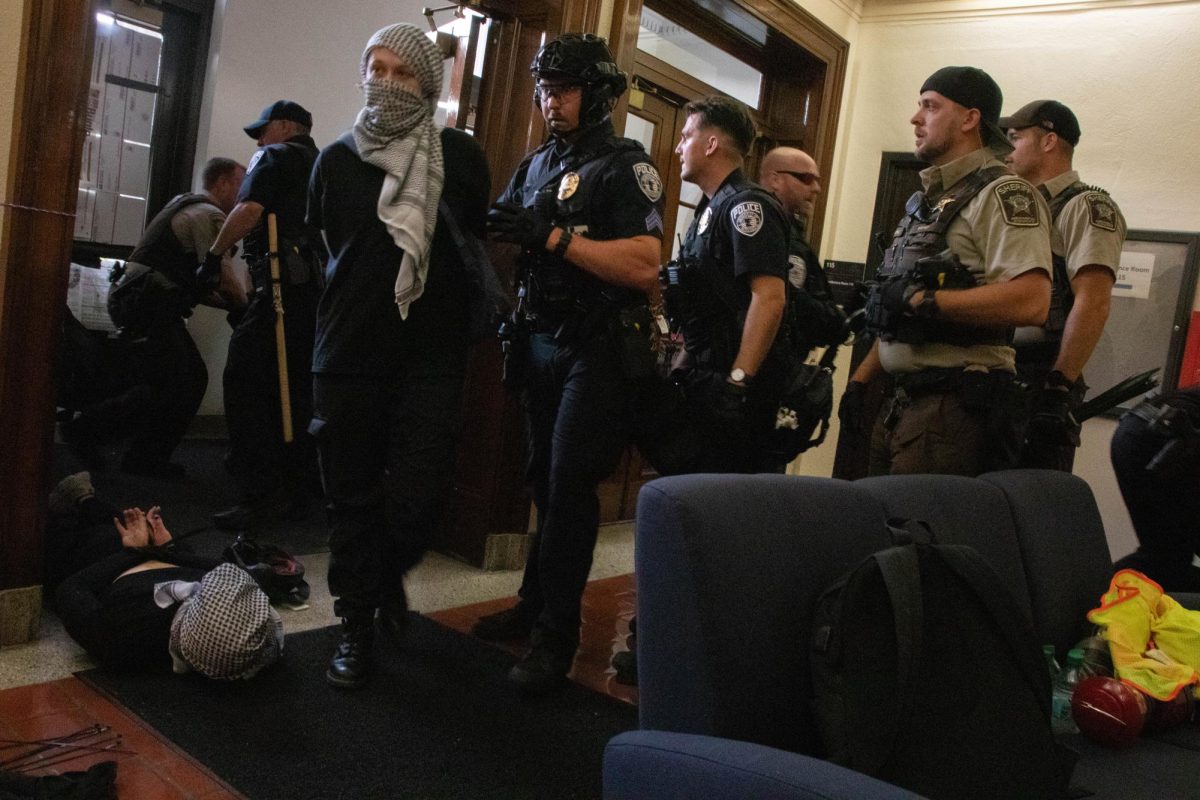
807, 178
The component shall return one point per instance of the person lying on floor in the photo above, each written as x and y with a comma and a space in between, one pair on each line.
154, 604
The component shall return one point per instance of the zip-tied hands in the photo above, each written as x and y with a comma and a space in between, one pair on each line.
510, 222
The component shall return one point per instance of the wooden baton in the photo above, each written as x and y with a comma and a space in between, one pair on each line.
285, 400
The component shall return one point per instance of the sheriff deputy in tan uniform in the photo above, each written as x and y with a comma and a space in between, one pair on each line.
970, 261
1087, 233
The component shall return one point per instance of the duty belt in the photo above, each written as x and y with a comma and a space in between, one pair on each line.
947, 379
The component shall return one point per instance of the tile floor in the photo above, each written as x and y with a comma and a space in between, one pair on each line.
40, 699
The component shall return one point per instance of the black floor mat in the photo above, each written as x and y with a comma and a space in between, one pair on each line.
438, 720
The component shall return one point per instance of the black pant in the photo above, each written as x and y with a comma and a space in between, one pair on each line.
1164, 508
387, 447
156, 410
258, 459
576, 402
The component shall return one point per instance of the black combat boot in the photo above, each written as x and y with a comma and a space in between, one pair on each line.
351, 662
546, 666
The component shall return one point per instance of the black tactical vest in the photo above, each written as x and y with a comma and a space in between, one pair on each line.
562, 191
1062, 298
922, 234
161, 250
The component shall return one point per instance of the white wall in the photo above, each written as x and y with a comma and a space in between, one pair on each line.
302, 50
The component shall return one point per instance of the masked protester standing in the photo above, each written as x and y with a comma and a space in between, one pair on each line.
391, 344
1087, 234
274, 479
970, 260
586, 209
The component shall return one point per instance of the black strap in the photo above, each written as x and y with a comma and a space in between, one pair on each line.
900, 568
964, 191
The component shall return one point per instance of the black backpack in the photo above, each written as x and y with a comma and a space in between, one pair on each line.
927, 674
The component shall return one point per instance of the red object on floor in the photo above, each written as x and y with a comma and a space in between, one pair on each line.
1109, 712
1189, 370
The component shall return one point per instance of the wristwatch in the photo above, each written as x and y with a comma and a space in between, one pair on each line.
564, 239
738, 375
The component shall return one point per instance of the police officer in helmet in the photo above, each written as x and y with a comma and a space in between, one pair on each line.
586, 210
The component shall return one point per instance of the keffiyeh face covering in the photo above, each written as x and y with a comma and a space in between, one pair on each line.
395, 132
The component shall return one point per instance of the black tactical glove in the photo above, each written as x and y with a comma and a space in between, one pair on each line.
208, 276
850, 409
1052, 424
722, 399
510, 222
895, 295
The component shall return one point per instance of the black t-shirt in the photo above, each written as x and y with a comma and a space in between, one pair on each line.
276, 179
359, 329
737, 234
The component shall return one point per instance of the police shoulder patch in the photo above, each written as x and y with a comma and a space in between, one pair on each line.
797, 271
1101, 212
648, 181
254, 160
1017, 203
747, 217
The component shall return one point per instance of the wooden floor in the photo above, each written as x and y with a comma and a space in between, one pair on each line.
149, 767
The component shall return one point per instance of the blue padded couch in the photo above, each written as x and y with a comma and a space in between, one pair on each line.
729, 569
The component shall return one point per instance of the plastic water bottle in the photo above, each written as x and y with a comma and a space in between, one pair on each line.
1064, 687
1051, 663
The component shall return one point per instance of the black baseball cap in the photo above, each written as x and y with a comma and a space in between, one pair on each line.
280, 109
1049, 115
971, 87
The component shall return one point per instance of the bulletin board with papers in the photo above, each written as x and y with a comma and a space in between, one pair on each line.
114, 178
1152, 303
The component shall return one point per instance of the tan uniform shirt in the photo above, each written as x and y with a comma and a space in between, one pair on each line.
1002, 232
1089, 230
196, 227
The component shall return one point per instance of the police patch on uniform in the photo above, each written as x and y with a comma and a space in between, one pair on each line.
747, 217
1101, 212
797, 271
705, 218
568, 185
1017, 203
253, 160
648, 181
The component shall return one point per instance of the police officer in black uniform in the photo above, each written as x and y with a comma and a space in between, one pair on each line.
586, 209
815, 320
728, 295
273, 478
1156, 458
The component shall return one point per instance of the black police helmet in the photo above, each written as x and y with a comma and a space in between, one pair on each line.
586, 60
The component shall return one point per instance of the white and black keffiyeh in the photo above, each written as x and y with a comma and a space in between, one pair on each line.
395, 132
225, 627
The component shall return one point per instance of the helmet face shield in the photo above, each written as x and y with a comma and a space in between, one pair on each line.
581, 60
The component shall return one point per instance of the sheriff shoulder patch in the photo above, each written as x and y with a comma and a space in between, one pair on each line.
1017, 203
648, 181
747, 217
1101, 212
253, 160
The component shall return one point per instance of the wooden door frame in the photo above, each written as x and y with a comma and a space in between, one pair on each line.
39, 223
801, 28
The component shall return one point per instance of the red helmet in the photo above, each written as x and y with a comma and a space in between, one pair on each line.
1109, 712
